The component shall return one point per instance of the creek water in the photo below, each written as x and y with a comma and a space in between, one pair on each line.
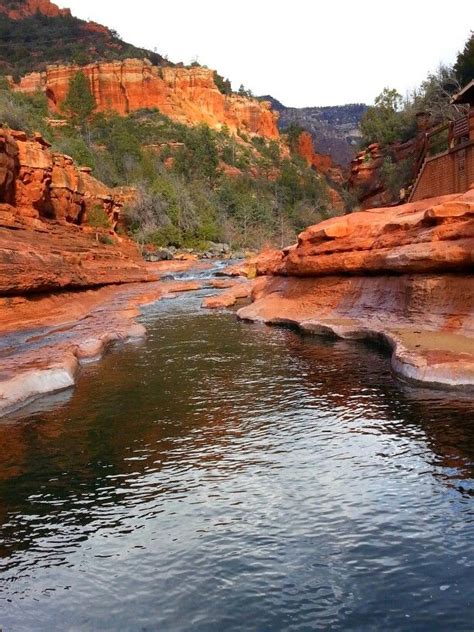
228, 476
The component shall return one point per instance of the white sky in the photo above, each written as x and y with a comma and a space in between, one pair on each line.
302, 52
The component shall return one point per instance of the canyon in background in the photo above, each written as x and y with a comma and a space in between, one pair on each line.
111, 158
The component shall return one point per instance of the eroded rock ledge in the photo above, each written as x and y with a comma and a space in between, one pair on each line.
46, 243
402, 275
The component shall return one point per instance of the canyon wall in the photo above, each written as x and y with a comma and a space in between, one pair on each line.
45, 241
324, 164
367, 179
187, 95
402, 275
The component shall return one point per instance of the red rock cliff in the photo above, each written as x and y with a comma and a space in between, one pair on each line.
322, 163
39, 183
45, 242
188, 95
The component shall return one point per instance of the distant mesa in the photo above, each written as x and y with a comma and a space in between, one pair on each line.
334, 128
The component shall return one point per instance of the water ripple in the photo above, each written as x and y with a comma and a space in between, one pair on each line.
226, 476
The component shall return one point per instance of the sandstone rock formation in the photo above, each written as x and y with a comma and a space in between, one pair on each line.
233, 291
402, 275
26, 8
187, 95
46, 338
427, 236
323, 164
45, 242
40, 183
334, 129
367, 180
45, 255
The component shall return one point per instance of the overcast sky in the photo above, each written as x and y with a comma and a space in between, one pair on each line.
302, 52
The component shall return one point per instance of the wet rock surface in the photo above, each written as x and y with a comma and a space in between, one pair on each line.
403, 276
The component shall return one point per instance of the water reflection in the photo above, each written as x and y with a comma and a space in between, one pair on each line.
228, 476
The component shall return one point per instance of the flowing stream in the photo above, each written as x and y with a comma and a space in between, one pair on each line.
227, 476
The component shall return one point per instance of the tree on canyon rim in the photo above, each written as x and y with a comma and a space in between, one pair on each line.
79, 104
464, 66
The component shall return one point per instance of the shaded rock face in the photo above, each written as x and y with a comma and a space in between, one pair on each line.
188, 95
321, 162
401, 275
367, 179
324, 164
39, 183
8, 168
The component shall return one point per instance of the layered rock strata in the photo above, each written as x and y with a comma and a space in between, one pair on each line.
187, 95
40, 183
45, 242
402, 275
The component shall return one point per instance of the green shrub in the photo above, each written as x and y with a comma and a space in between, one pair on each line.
185, 198
106, 240
223, 85
98, 218
397, 175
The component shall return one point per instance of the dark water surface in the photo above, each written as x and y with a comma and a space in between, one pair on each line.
227, 476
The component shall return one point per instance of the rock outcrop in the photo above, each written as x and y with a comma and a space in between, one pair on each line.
40, 183
27, 8
322, 163
367, 179
45, 241
401, 275
187, 95
334, 129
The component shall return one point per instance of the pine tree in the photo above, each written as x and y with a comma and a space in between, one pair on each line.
79, 103
464, 66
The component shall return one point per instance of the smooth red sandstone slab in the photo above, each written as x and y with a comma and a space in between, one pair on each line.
427, 320
229, 297
432, 235
39, 256
45, 338
402, 275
